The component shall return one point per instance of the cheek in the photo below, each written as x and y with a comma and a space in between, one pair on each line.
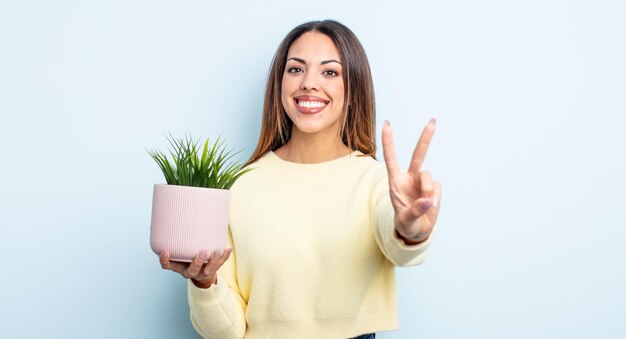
335, 89
286, 90
338, 93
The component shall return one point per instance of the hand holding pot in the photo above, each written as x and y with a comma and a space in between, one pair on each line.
201, 270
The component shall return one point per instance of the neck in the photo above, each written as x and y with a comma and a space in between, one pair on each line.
306, 148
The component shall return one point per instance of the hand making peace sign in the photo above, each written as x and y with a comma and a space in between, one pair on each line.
414, 195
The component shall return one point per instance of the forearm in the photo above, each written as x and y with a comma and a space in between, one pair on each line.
217, 312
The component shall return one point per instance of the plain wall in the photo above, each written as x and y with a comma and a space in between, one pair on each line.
530, 149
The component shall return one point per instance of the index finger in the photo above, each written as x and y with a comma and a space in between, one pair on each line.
422, 146
389, 153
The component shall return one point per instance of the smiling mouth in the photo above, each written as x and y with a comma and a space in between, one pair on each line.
310, 104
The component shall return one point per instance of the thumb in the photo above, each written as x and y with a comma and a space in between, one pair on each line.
421, 206
417, 209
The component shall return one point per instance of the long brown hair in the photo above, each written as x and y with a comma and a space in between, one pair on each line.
358, 121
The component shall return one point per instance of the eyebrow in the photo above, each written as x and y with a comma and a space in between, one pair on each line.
321, 63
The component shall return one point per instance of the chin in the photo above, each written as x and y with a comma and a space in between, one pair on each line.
308, 129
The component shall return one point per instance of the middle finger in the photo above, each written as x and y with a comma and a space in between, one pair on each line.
196, 264
422, 146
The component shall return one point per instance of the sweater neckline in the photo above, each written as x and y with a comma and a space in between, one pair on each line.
300, 168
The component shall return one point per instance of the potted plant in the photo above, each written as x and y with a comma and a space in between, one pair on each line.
190, 212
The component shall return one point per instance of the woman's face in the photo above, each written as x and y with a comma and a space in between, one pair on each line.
312, 85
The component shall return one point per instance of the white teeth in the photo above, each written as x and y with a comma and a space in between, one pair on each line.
311, 104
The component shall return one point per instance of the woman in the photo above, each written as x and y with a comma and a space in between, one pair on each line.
318, 227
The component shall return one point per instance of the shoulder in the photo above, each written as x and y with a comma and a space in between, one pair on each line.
261, 176
368, 164
259, 164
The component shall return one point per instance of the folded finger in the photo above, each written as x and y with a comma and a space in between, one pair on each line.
426, 185
436, 193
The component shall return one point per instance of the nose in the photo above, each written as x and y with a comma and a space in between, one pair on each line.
309, 82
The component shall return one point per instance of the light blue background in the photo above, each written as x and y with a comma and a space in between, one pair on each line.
530, 149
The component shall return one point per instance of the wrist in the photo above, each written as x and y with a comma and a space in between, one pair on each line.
205, 283
418, 239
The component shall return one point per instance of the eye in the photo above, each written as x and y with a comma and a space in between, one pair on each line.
330, 73
294, 70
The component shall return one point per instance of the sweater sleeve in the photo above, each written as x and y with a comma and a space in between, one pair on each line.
219, 311
382, 217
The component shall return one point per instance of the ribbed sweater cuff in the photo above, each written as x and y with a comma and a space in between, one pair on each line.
215, 294
403, 254
213, 312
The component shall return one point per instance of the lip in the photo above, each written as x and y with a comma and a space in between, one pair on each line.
311, 98
309, 110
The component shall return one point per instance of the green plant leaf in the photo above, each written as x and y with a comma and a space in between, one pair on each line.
210, 166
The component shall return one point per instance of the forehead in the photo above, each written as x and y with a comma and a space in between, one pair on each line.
313, 46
